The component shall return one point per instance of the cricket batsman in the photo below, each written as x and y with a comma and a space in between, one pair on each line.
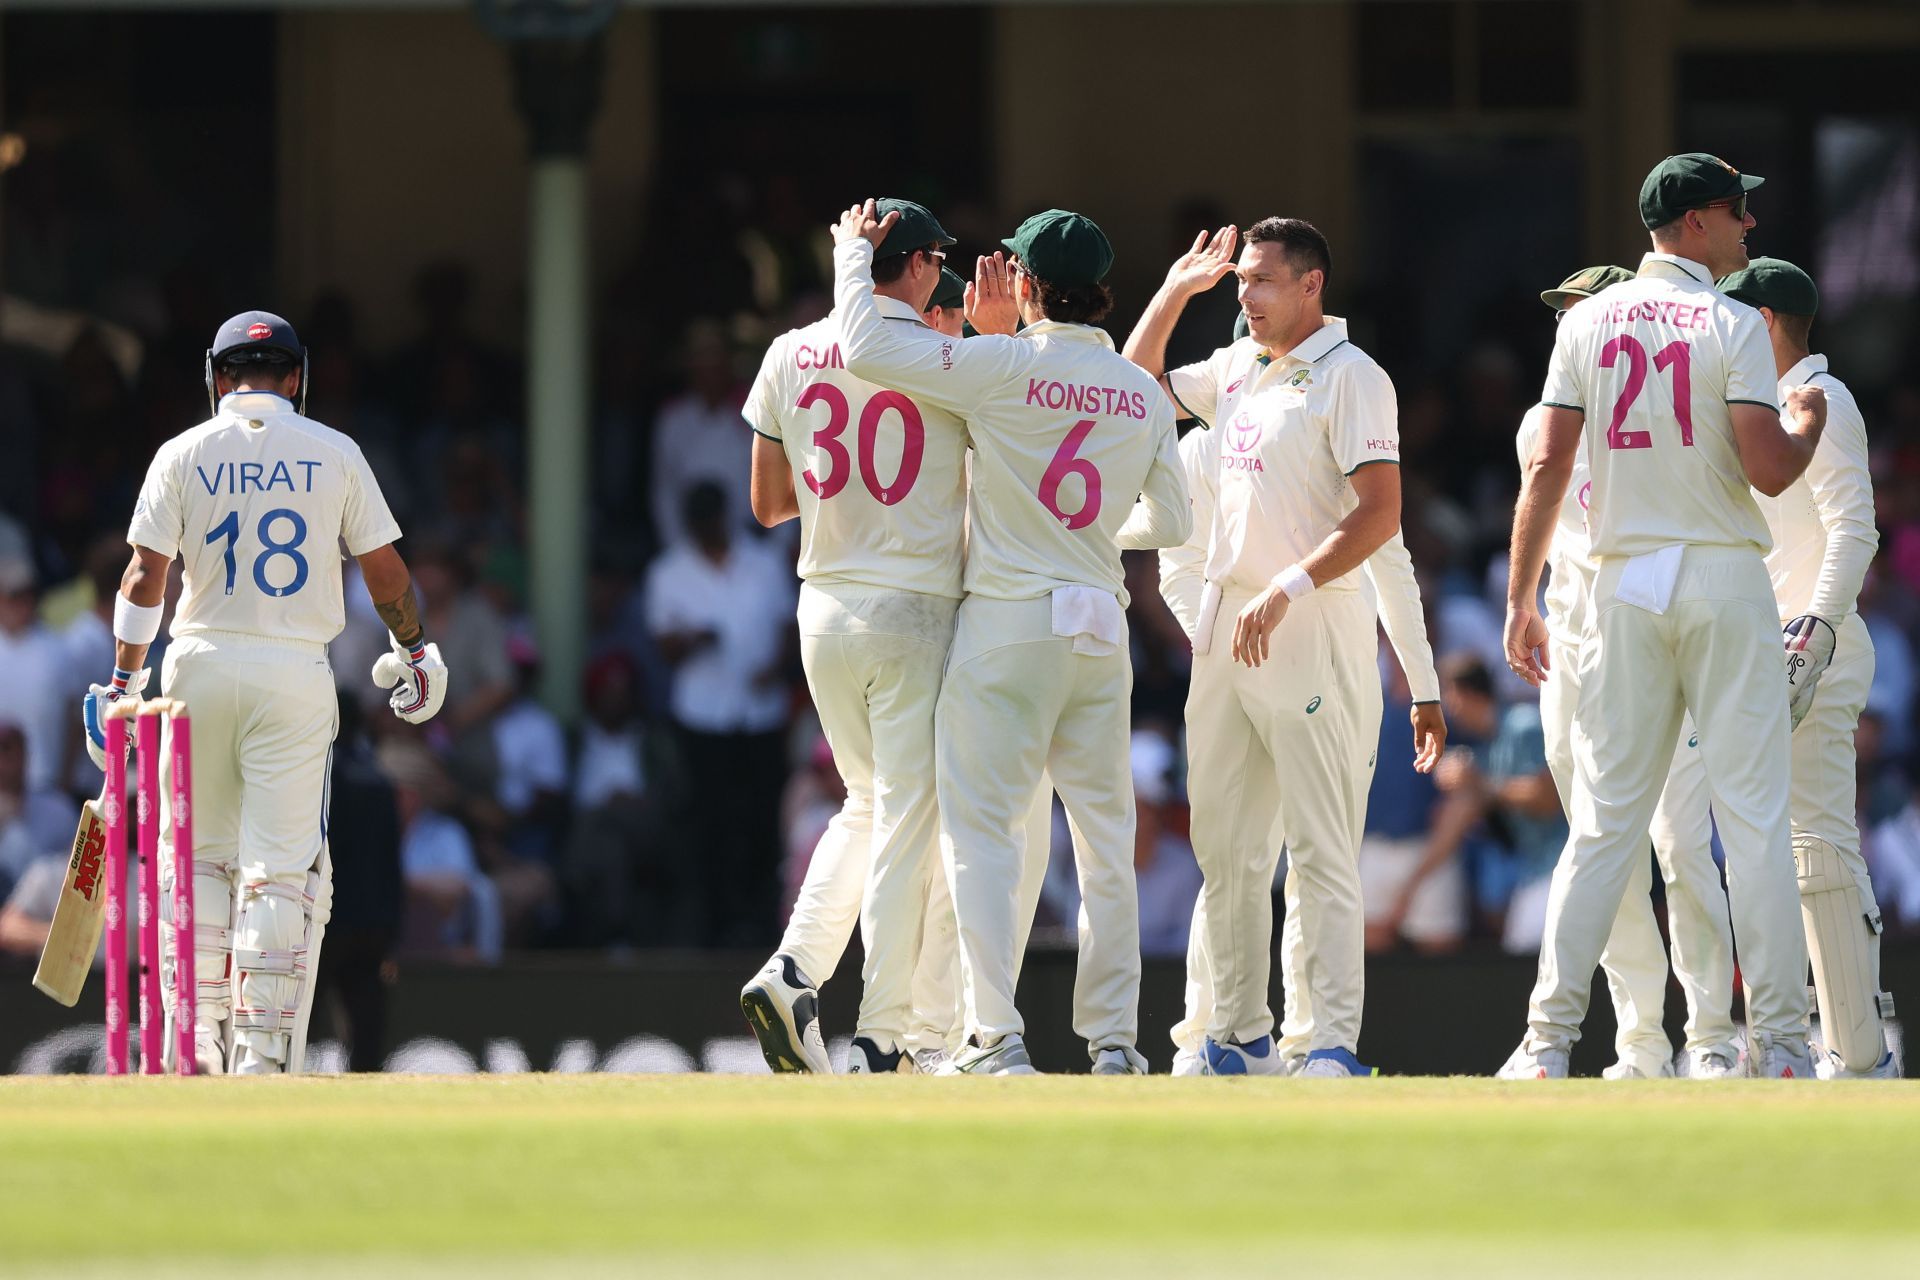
1065, 435
1683, 610
1635, 959
257, 503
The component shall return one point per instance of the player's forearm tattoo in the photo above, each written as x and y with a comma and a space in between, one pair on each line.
402, 617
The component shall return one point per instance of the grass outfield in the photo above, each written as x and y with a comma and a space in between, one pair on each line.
606, 1175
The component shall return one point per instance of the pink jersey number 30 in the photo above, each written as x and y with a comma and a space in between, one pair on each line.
1675, 356
913, 443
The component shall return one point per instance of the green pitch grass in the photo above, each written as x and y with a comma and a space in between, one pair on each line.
595, 1175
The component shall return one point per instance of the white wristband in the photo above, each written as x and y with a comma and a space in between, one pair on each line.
1293, 580
135, 624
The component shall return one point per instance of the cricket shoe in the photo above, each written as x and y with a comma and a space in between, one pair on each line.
1188, 1062
1772, 1059
1333, 1064
1119, 1060
1549, 1062
783, 1008
1832, 1068
1231, 1058
931, 1062
1713, 1064
866, 1058
1004, 1056
1628, 1070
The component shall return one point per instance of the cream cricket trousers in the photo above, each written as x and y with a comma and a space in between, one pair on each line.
1018, 703
1715, 652
873, 661
1282, 754
1635, 959
264, 715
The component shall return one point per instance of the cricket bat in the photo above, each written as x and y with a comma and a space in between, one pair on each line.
74, 935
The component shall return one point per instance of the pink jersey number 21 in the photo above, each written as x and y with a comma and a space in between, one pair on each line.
1676, 356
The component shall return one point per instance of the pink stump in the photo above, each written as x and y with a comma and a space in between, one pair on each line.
113, 816
147, 800
185, 994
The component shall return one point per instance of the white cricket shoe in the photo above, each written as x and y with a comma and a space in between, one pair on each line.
1188, 1062
783, 1009
1713, 1064
1231, 1058
1772, 1059
866, 1058
1333, 1064
1549, 1062
1119, 1060
931, 1062
1832, 1068
1003, 1056
1625, 1070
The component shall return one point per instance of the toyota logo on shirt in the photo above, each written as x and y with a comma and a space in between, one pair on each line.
1243, 433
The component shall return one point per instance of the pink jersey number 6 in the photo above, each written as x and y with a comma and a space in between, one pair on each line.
1064, 464
1676, 356
913, 444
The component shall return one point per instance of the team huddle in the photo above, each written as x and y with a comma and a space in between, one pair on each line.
963, 628
964, 500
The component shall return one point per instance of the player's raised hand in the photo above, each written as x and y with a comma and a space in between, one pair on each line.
1206, 264
860, 221
1807, 406
418, 679
1255, 624
1429, 735
1526, 645
990, 304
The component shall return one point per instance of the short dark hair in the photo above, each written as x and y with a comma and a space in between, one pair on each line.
890, 268
1469, 672
1301, 244
1798, 328
1073, 303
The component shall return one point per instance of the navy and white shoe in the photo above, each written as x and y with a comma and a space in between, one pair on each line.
1003, 1056
1334, 1064
1832, 1068
865, 1058
1231, 1058
1119, 1060
783, 1008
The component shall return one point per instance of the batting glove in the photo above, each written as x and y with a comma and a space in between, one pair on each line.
93, 709
1809, 641
417, 677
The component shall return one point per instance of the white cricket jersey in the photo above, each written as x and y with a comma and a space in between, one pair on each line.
1823, 525
1570, 567
880, 475
1293, 428
1654, 364
258, 503
1066, 433
1396, 591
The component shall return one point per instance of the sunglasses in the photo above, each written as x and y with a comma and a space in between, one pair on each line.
1738, 206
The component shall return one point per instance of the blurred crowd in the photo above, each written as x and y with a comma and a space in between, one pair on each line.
682, 809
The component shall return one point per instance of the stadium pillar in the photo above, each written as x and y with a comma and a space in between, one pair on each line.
558, 57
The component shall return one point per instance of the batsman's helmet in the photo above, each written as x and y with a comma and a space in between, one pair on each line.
256, 337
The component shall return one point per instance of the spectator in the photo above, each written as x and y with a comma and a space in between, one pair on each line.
1164, 867
36, 686
1519, 788
722, 612
699, 436
809, 805
33, 823
472, 639
530, 763
1413, 890
363, 827
88, 645
452, 908
624, 886
1893, 860
27, 915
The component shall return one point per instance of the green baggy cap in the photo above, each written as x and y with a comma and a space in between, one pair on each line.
1062, 248
950, 292
916, 229
1684, 182
1584, 283
1776, 284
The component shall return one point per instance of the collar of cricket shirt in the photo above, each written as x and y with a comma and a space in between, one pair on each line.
1060, 329
1802, 373
1668, 265
254, 404
1332, 333
894, 309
